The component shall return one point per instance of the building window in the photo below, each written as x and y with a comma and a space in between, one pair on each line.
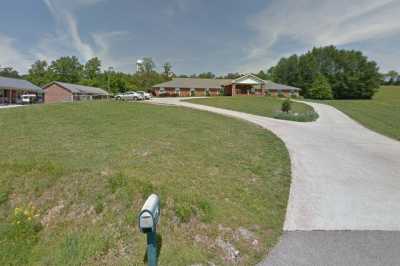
177, 89
162, 89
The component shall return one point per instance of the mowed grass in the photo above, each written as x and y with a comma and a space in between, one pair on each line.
86, 169
264, 106
381, 114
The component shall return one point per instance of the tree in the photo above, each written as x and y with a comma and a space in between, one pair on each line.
147, 65
67, 69
39, 74
392, 77
9, 72
287, 71
206, 75
230, 76
92, 68
350, 73
263, 75
320, 89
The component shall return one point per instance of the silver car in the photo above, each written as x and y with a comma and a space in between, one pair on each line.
129, 96
146, 95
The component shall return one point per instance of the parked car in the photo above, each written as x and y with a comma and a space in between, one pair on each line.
146, 95
129, 96
28, 98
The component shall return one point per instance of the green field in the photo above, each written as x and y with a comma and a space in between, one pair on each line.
74, 176
264, 106
381, 114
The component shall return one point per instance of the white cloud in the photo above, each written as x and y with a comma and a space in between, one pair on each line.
11, 57
84, 49
317, 23
104, 42
67, 27
68, 40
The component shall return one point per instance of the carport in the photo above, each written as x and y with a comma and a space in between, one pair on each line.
11, 90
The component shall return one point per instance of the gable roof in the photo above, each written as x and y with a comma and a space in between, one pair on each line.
79, 89
18, 84
279, 87
193, 83
247, 77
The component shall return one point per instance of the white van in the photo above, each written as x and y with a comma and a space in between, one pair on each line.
28, 98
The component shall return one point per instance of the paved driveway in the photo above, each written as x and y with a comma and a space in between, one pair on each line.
344, 177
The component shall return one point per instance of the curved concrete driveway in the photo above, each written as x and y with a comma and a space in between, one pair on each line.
344, 176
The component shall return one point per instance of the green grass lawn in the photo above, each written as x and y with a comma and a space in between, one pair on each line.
381, 114
74, 176
265, 106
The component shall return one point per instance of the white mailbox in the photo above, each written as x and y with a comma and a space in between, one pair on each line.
150, 213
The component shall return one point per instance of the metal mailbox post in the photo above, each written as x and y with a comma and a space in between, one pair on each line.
148, 220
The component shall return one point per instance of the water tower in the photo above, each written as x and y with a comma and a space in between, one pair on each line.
139, 65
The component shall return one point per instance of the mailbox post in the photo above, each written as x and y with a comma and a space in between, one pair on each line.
148, 220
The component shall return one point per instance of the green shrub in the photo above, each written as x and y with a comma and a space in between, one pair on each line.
320, 89
286, 105
281, 95
192, 93
207, 93
302, 117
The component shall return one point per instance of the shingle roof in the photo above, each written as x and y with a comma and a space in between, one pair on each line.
279, 87
80, 89
18, 84
193, 83
216, 83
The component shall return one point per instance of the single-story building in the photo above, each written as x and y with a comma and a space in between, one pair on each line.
11, 90
245, 85
66, 92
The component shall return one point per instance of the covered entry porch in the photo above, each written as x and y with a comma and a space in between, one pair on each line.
10, 96
248, 85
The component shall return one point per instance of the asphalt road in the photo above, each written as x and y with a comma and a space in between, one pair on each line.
345, 178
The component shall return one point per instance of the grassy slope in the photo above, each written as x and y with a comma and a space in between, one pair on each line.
382, 114
265, 106
87, 167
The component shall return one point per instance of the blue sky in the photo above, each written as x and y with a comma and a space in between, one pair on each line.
195, 35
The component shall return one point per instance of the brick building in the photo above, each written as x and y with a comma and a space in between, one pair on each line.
11, 90
66, 92
247, 85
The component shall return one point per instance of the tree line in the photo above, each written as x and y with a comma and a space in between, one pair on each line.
69, 69
321, 73
327, 72
391, 78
